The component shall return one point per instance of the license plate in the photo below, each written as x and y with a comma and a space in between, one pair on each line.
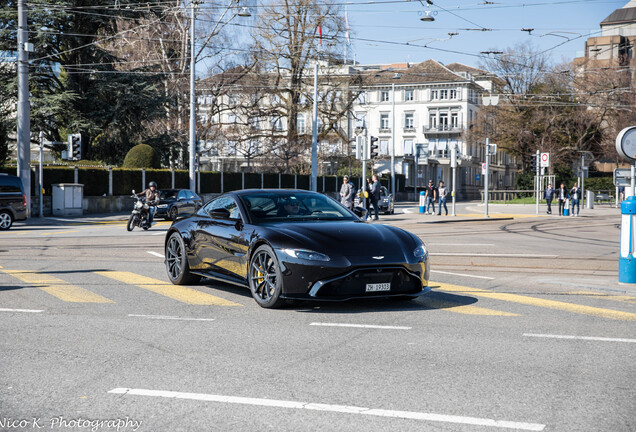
378, 287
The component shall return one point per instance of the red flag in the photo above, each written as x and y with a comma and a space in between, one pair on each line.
320, 34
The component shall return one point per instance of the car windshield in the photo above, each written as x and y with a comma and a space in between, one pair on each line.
166, 194
277, 207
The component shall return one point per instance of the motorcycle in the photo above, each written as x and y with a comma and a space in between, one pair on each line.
140, 216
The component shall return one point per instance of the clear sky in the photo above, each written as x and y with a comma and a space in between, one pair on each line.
562, 27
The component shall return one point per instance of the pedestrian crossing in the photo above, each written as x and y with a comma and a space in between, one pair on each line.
444, 297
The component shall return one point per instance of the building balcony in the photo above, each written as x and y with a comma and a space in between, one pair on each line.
408, 130
442, 129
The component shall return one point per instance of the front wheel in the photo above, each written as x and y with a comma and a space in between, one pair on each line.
177, 262
132, 221
6, 220
265, 278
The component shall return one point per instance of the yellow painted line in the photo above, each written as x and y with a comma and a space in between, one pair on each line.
433, 302
613, 297
176, 292
550, 304
57, 232
57, 287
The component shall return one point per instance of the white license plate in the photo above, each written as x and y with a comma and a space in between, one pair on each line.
378, 287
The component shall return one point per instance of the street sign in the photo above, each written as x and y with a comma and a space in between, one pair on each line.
477, 177
626, 143
622, 177
483, 169
545, 159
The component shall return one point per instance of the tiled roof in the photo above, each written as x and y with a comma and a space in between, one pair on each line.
620, 16
428, 71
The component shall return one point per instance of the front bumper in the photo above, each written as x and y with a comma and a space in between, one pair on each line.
339, 284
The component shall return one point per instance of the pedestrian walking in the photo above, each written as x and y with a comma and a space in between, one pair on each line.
430, 196
562, 195
576, 195
375, 195
442, 193
347, 193
549, 196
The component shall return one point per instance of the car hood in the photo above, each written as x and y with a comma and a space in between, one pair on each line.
358, 241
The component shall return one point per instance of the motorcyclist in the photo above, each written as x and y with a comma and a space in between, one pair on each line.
152, 199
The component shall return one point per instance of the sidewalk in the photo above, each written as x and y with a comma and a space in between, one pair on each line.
475, 212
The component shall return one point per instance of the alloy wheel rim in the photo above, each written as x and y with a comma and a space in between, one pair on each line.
174, 255
263, 276
4, 220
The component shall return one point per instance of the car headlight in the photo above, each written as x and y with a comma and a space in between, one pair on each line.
162, 206
421, 252
306, 255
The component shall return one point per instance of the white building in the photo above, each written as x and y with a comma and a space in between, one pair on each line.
420, 112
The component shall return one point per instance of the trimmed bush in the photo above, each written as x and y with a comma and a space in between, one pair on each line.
142, 156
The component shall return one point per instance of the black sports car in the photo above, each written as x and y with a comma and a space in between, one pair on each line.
294, 244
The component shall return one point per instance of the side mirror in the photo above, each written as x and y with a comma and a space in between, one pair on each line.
361, 212
220, 213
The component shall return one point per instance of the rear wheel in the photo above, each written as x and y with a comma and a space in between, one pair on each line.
6, 220
172, 214
177, 262
265, 278
132, 221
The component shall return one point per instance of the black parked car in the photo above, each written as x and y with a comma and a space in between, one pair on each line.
177, 202
13, 201
295, 244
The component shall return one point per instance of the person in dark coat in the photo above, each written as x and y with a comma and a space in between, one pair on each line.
549, 196
577, 196
375, 195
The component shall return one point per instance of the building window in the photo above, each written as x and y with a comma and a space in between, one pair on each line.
454, 120
443, 94
409, 95
408, 147
300, 124
360, 120
453, 94
384, 147
443, 121
384, 96
277, 124
362, 98
408, 121
432, 120
434, 94
384, 121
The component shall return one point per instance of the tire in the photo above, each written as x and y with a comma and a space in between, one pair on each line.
6, 220
177, 262
132, 221
173, 213
265, 278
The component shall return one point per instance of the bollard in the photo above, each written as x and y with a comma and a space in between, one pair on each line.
626, 259
422, 202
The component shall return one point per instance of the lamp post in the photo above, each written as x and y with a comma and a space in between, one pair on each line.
193, 122
488, 100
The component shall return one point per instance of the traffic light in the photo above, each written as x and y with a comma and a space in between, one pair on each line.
533, 163
373, 151
74, 149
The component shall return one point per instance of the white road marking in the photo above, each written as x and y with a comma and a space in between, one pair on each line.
494, 255
588, 338
159, 233
461, 274
407, 210
167, 317
346, 409
367, 326
155, 254
21, 310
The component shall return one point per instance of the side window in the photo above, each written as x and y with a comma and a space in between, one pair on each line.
181, 195
189, 194
222, 202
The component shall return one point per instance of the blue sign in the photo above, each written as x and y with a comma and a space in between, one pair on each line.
478, 177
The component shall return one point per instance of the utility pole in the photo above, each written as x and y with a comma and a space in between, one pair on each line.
314, 138
193, 108
486, 177
24, 109
393, 140
454, 167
